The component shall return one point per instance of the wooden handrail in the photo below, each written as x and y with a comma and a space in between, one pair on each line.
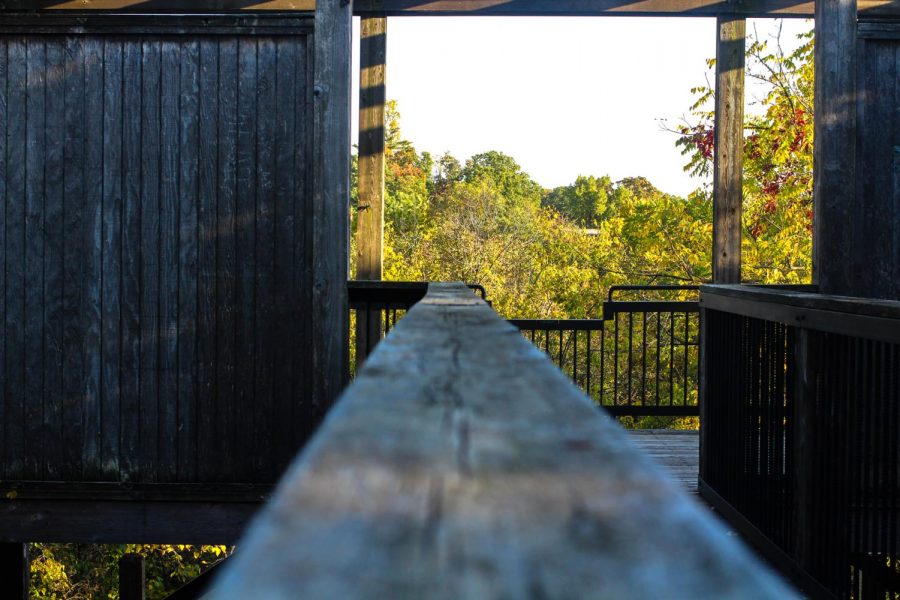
462, 464
844, 315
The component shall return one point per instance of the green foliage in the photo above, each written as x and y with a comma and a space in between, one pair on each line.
514, 187
585, 202
555, 253
90, 571
655, 237
541, 254
777, 217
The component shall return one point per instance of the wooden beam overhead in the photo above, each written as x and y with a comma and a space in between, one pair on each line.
689, 8
867, 9
696, 8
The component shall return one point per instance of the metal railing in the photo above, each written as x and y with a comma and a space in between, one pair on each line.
375, 307
800, 447
640, 359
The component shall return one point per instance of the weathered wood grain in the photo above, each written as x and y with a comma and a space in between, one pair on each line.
875, 216
130, 264
35, 150
245, 356
54, 260
677, 452
895, 179
287, 294
169, 161
111, 261
15, 257
462, 464
91, 320
226, 233
207, 278
264, 299
303, 415
370, 208
3, 208
188, 262
729, 150
150, 257
329, 333
132, 267
370, 183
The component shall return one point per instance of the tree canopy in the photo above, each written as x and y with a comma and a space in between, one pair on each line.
555, 252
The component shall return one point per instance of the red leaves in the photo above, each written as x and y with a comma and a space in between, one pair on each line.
704, 139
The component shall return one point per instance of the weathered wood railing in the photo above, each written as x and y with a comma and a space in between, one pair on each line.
461, 463
639, 360
800, 446
376, 306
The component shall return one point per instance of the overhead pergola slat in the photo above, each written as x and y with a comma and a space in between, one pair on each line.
709, 8
684, 8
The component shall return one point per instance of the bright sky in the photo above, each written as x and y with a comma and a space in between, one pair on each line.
563, 96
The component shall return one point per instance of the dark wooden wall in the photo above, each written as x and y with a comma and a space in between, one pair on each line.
856, 190
876, 218
154, 255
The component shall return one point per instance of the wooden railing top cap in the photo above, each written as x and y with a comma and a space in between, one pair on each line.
462, 464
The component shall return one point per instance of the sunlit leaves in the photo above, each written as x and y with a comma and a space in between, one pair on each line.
89, 571
777, 215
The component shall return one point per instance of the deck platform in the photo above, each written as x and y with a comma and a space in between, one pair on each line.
678, 452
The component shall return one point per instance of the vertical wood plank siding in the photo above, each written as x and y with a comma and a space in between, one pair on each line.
154, 255
875, 218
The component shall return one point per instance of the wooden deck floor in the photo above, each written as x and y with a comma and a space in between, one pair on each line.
677, 451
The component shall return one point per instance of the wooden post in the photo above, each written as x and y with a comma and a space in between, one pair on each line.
131, 577
331, 199
370, 224
729, 146
834, 153
14, 571
370, 215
